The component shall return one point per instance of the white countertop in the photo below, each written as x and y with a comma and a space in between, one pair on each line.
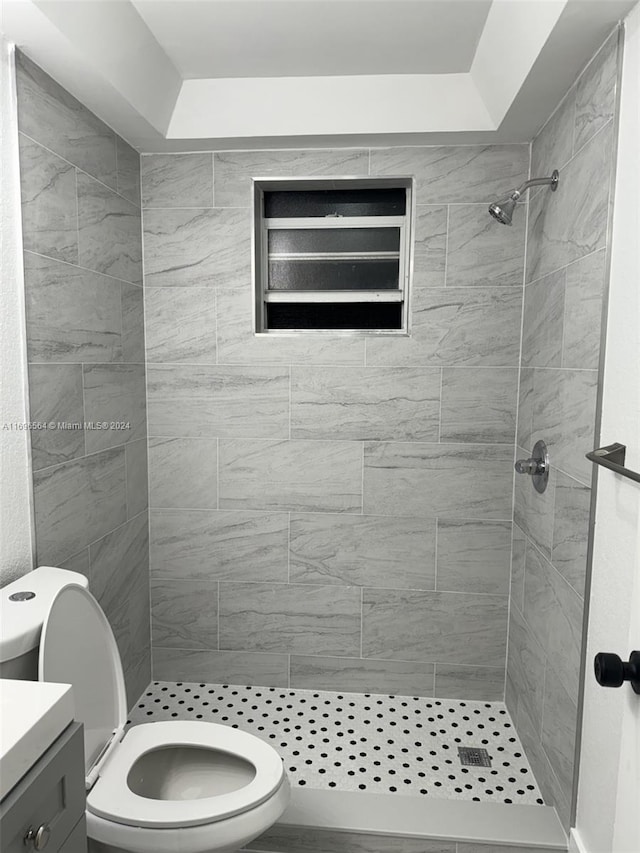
32, 715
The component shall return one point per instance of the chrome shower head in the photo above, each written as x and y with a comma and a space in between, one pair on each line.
502, 209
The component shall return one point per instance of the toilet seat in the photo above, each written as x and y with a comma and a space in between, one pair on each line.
112, 798
77, 647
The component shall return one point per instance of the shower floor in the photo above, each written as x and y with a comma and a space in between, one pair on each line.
356, 742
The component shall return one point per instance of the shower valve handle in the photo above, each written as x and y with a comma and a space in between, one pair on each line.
530, 466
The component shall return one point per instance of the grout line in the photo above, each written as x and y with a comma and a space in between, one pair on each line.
361, 619
446, 249
85, 269
362, 482
217, 473
289, 548
290, 402
218, 619
81, 170
435, 558
440, 406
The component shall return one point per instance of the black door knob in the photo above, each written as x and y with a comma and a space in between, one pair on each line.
612, 671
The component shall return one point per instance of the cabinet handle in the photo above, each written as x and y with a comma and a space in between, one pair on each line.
38, 838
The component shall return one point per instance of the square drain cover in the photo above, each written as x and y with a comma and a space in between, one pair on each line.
474, 757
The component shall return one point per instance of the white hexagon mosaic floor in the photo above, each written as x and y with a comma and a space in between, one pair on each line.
351, 741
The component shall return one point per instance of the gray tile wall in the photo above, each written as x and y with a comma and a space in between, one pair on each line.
566, 252
316, 514
85, 339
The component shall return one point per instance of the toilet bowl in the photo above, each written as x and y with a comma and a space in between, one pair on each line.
161, 787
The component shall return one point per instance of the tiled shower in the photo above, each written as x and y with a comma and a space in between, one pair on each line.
325, 513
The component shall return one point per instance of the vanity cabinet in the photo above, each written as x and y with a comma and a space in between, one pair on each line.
46, 809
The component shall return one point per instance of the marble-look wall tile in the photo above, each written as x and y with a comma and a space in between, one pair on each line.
55, 397
455, 174
480, 683
596, 93
526, 667
80, 562
53, 117
200, 545
479, 405
120, 582
135, 454
404, 678
571, 531
132, 305
285, 839
431, 480
72, 315
198, 400
533, 510
473, 556
137, 674
478, 326
182, 664
564, 416
526, 405
572, 222
550, 788
554, 611
584, 294
234, 170
181, 324
518, 556
542, 330
362, 550
238, 344
480, 251
177, 180
429, 244
473, 847
184, 613
291, 618
78, 502
365, 403
434, 626
128, 171
553, 146
197, 248
559, 723
49, 209
183, 472
108, 231
221, 667
310, 476
114, 394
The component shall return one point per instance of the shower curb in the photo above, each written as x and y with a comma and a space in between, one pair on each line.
320, 812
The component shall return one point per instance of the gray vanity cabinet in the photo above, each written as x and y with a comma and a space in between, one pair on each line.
45, 810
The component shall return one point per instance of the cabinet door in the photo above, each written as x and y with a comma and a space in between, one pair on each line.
51, 794
77, 841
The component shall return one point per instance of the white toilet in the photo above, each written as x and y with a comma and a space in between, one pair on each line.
163, 787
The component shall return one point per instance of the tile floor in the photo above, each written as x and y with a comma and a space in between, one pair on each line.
354, 741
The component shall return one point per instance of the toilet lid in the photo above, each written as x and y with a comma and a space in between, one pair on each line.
77, 647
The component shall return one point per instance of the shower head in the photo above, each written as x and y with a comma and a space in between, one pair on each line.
502, 209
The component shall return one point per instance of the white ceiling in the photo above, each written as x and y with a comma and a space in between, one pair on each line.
310, 38
171, 75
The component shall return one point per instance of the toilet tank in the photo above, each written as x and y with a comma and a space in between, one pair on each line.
24, 605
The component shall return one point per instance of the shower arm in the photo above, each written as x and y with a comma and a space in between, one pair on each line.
551, 181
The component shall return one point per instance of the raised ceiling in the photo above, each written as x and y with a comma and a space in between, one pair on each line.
312, 38
173, 75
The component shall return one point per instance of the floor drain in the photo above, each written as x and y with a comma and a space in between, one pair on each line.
474, 757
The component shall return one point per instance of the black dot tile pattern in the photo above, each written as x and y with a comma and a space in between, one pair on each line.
363, 742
